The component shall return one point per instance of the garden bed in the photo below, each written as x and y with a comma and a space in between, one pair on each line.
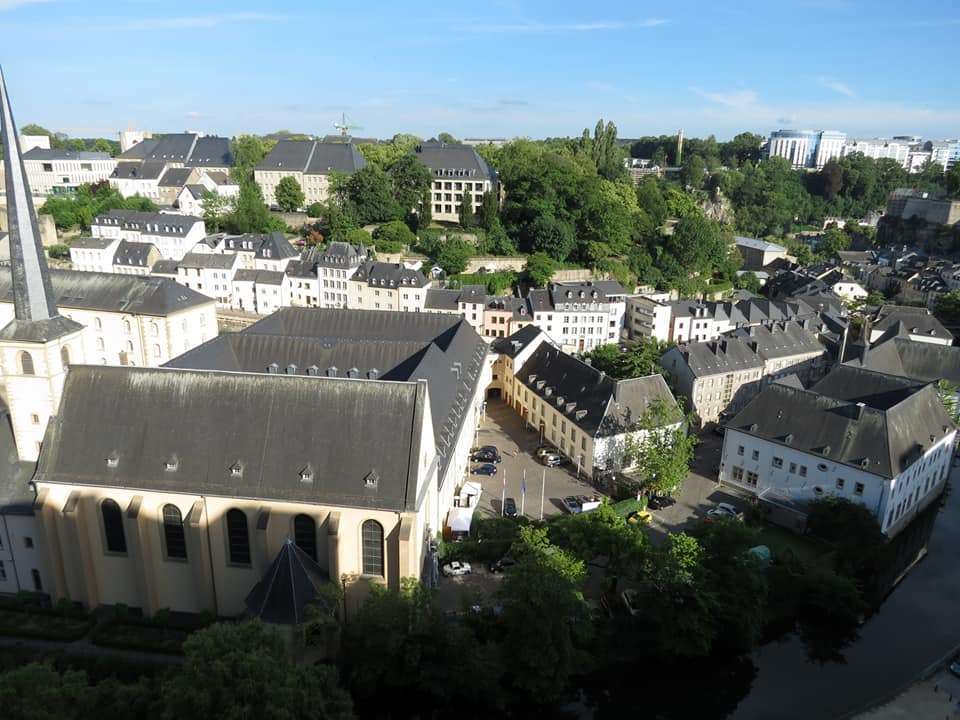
139, 636
43, 625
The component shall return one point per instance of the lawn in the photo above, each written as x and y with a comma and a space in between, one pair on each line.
779, 540
47, 626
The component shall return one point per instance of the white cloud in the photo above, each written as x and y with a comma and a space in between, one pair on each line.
14, 4
836, 86
186, 22
734, 99
193, 114
544, 28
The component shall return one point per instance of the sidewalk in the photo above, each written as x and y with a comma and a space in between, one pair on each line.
933, 698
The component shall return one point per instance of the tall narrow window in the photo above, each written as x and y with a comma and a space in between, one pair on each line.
113, 526
26, 363
238, 539
65, 356
173, 535
372, 548
305, 535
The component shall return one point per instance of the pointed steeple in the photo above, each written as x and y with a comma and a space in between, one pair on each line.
32, 292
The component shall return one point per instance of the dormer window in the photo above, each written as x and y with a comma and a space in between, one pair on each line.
306, 473
113, 459
236, 470
371, 480
172, 464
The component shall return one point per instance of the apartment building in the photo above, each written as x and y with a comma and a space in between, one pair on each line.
311, 163
387, 286
880, 440
93, 254
302, 284
505, 315
260, 291
585, 414
173, 235
210, 274
256, 251
334, 266
719, 377
467, 302
142, 165
134, 258
61, 172
580, 316
459, 175
189, 201
136, 178
918, 323
759, 254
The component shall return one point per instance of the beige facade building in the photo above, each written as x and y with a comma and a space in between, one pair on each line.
460, 175
310, 163
387, 286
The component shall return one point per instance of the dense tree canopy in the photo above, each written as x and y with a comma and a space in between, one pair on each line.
80, 209
289, 194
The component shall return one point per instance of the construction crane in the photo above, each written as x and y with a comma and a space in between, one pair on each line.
344, 127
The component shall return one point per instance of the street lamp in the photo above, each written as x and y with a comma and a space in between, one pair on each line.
579, 458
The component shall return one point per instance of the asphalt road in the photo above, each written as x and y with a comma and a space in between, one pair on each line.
918, 624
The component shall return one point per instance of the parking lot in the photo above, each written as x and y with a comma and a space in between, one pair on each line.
503, 428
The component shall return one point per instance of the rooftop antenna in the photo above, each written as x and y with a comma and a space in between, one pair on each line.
344, 127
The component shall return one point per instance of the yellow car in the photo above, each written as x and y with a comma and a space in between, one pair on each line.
640, 516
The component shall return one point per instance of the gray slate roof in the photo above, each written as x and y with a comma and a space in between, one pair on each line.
340, 254
391, 275
441, 349
133, 254
291, 583
260, 277
927, 362
514, 344
44, 154
175, 177
313, 157
92, 243
212, 261
112, 292
264, 246
164, 267
272, 426
917, 320
884, 435
187, 148
151, 223
450, 299
593, 401
150, 170
447, 160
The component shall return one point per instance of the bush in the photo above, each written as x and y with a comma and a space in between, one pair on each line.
497, 283
395, 232
59, 252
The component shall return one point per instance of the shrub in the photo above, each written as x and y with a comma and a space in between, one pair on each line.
59, 252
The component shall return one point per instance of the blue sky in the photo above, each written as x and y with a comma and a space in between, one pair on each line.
487, 68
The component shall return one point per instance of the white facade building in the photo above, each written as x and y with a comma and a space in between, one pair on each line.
61, 172
173, 235
580, 316
210, 274
806, 148
387, 286
879, 440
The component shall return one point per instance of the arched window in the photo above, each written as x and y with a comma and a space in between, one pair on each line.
99, 343
154, 330
65, 356
126, 326
372, 532
129, 346
238, 539
305, 535
173, 534
26, 363
113, 526
156, 350
98, 323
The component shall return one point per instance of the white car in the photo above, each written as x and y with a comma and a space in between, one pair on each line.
452, 569
724, 510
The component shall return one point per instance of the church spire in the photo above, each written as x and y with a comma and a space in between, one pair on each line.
32, 292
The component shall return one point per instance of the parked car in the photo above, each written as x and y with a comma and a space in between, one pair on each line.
571, 504
658, 502
452, 569
502, 564
485, 469
554, 460
488, 453
723, 510
510, 508
546, 450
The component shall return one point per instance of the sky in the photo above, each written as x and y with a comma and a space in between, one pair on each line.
486, 68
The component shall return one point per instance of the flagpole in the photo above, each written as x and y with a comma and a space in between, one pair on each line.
523, 493
503, 493
543, 491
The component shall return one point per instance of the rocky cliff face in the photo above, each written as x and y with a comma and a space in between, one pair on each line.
717, 207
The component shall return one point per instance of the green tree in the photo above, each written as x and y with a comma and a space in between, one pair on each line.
411, 181
454, 255
951, 180
949, 394
693, 171
748, 281
248, 152
487, 215
543, 617
467, 218
369, 195
603, 150
358, 236
700, 245
553, 237
395, 232
289, 194
947, 305
661, 453
215, 207
833, 241
447, 138
59, 252
496, 241
540, 268
744, 148
243, 670
640, 360
250, 214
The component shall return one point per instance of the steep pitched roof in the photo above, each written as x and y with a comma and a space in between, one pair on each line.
917, 320
175, 177
448, 160
134, 254
390, 275
271, 427
113, 292
874, 422
928, 362
291, 583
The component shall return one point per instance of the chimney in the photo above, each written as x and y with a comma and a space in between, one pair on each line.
373, 374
